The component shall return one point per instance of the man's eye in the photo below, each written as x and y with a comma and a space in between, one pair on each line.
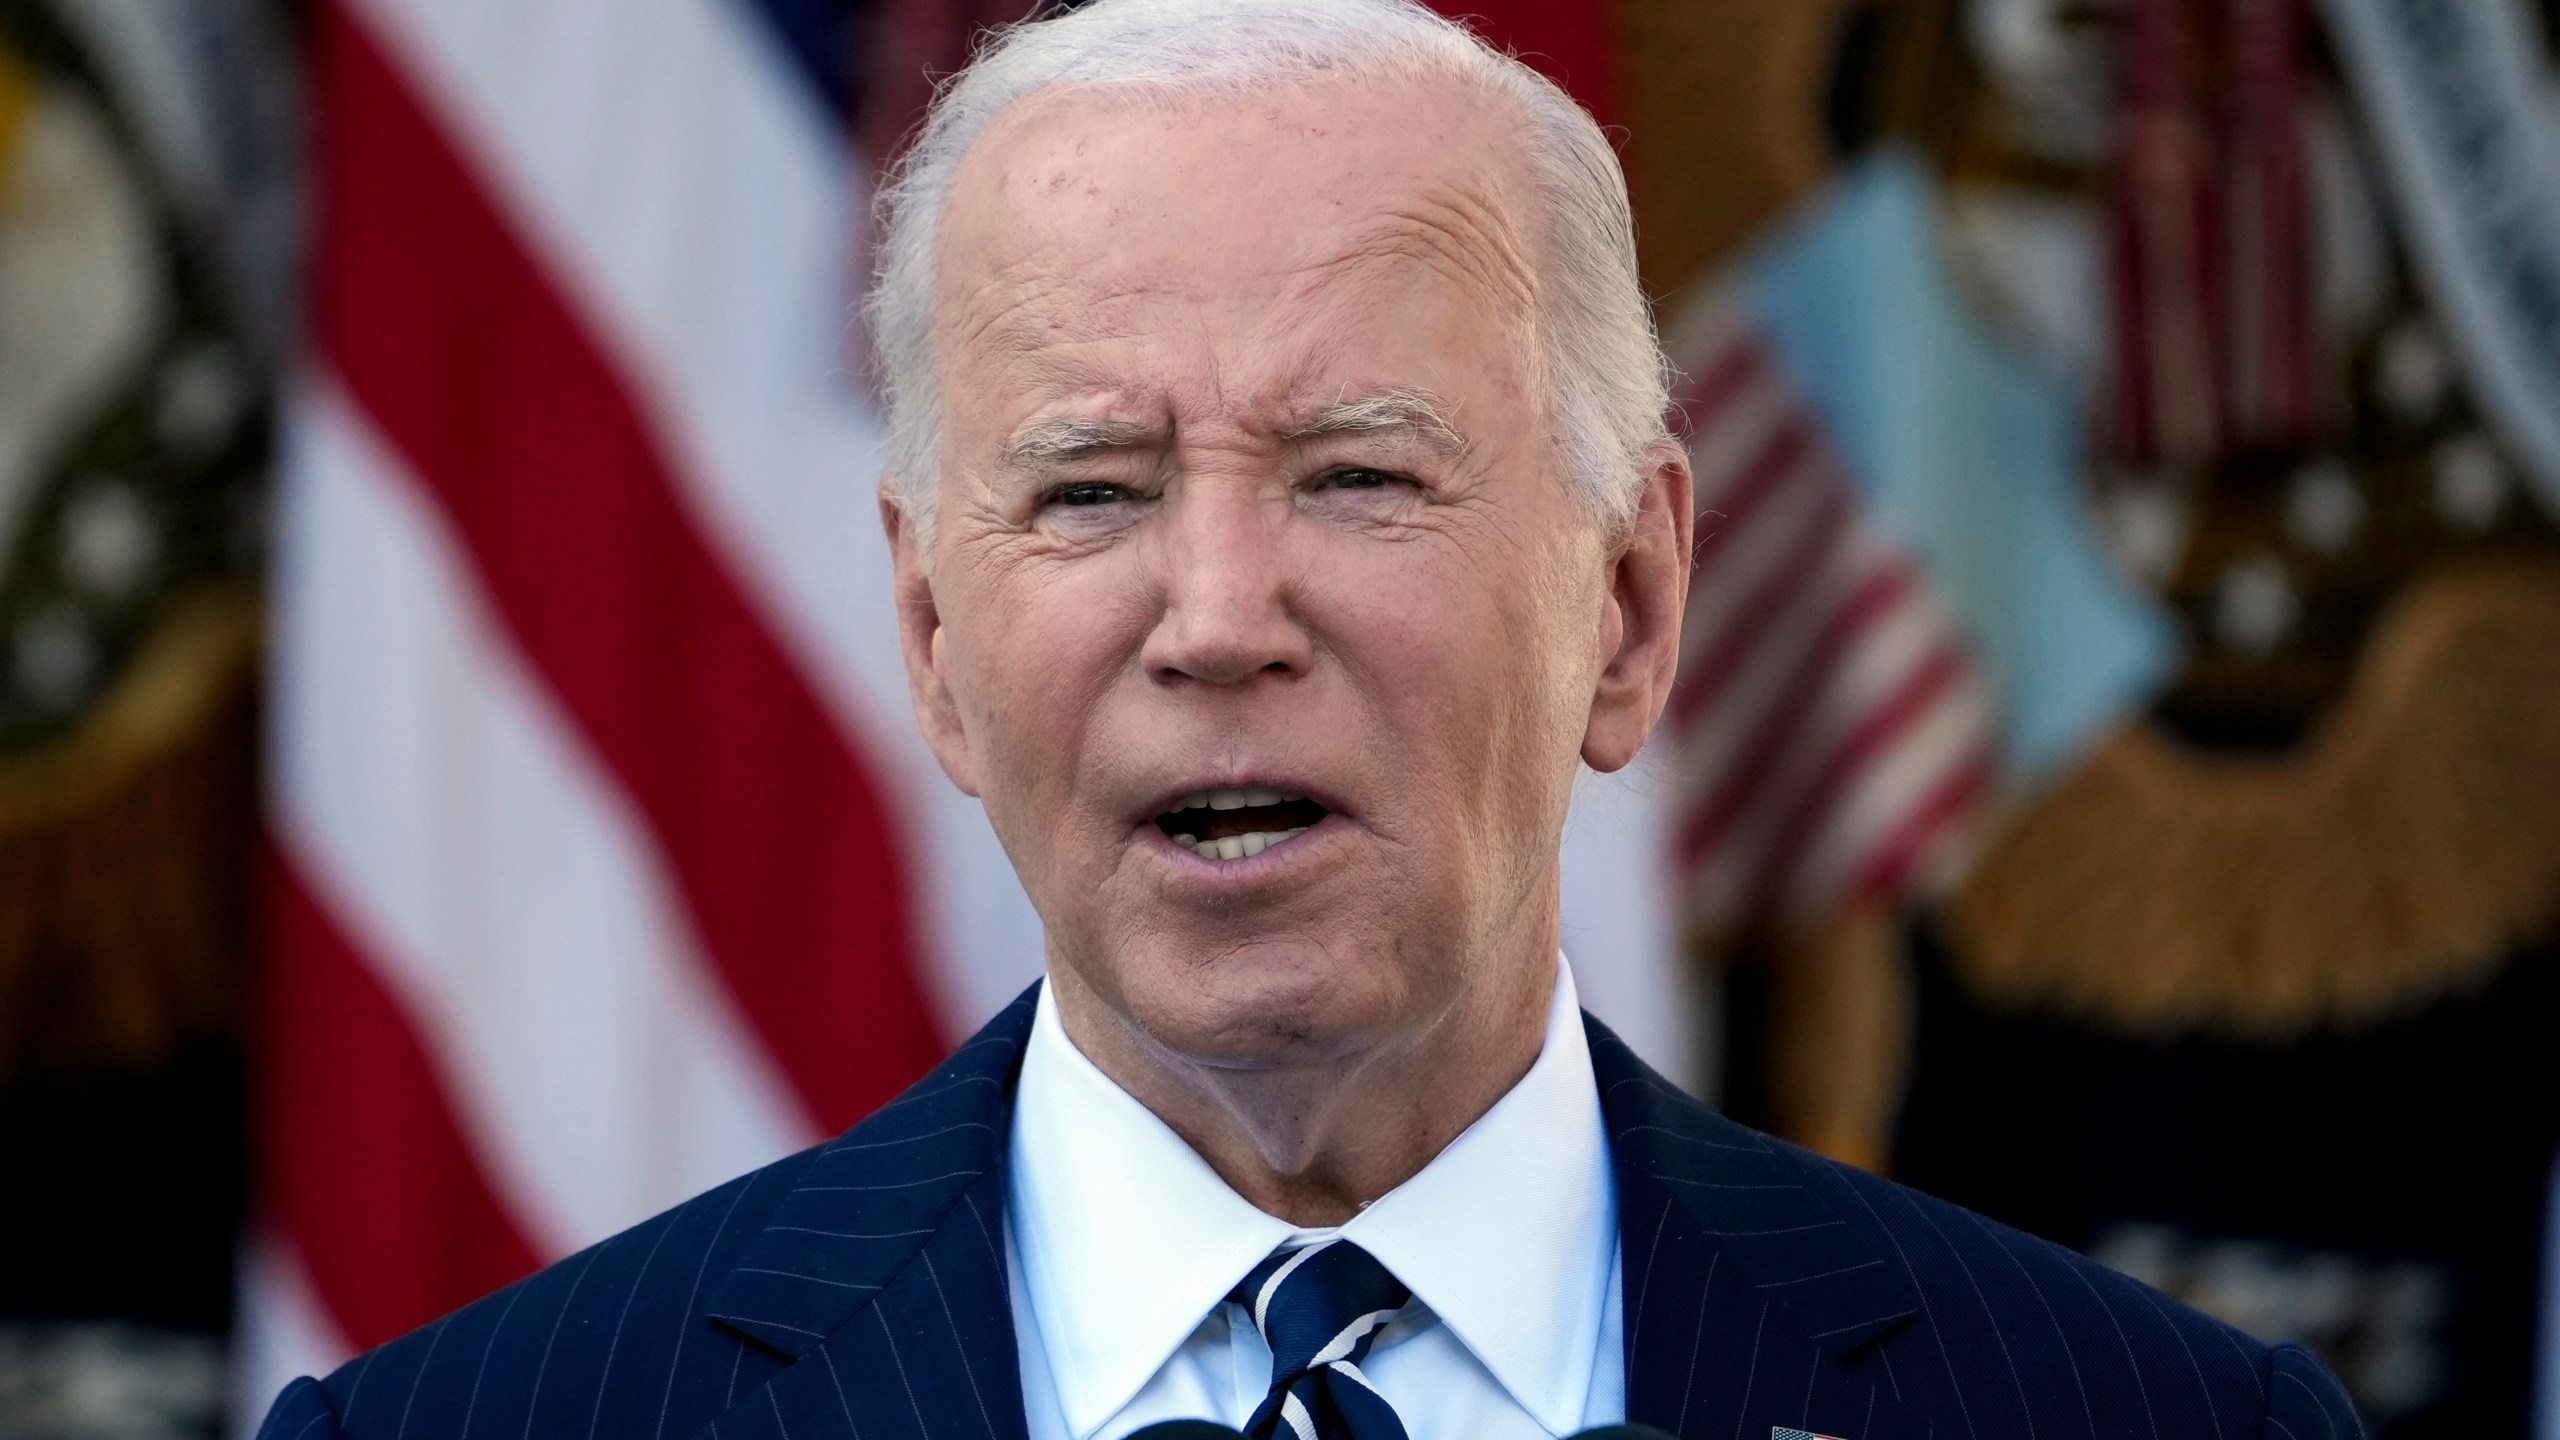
1358, 478
1087, 495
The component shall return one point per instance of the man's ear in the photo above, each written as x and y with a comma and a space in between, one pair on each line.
920, 641
1648, 589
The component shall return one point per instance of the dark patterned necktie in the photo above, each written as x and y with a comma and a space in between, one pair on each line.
1319, 1310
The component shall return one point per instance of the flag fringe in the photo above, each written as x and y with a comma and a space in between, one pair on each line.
2398, 855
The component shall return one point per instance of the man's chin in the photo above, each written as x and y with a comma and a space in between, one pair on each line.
1274, 1003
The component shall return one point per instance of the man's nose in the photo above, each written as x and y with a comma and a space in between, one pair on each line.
1227, 595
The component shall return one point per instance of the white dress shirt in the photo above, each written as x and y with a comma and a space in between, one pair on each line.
1122, 1244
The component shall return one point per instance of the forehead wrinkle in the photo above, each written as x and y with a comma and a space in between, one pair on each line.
1458, 230
1024, 308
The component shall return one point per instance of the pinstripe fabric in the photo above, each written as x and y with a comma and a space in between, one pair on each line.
1768, 1288
853, 1289
857, 1290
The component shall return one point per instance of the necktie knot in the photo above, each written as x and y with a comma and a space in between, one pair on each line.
1319, 1309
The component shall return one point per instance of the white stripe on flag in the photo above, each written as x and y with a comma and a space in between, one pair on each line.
1859, 676
696, 206
1751, 551
496, 881
1940, 744
1726, 440
283, 1332
1773, 806
1773, 656
1860, 814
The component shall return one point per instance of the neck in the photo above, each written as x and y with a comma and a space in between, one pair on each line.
1312, 1143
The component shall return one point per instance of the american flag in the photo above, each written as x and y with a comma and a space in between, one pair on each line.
605, 862
1831, 734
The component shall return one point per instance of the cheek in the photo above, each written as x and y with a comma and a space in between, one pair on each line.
1472, 661
1030, 649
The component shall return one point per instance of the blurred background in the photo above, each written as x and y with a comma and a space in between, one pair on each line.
457, 795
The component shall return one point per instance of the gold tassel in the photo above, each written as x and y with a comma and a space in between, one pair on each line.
1840, 1014
2408, 846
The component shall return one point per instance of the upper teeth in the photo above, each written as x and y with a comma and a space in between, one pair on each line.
1236, 799
1236, 847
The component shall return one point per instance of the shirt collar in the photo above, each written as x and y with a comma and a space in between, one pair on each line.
1508, 1235
1127, 1238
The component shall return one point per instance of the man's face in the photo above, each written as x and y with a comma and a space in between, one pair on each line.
1259, 611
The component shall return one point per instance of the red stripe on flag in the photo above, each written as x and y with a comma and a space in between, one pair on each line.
1702, 402
1889, 870
1743, 629
1901, 711
1722, 515
359, 1152
1748, 773
468, 360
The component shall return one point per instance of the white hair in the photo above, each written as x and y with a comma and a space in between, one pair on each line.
1609, 383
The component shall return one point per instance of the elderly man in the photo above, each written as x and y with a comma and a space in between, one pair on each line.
1283, 514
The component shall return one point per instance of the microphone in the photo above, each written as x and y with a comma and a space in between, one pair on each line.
1187, 1430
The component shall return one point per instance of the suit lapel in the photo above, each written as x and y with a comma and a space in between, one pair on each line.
1752, 1302
881, 1276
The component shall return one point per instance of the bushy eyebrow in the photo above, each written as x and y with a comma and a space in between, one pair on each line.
1044, 443
1404, 410
1408, 410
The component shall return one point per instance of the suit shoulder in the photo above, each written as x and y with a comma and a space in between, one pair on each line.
619, 1312
2045, 1317
1978, 1327
615, 1340
1968, 1273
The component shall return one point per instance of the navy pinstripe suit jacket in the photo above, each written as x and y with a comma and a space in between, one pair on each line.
857, 1290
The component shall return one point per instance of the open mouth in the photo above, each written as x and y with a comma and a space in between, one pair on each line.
1234, 824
